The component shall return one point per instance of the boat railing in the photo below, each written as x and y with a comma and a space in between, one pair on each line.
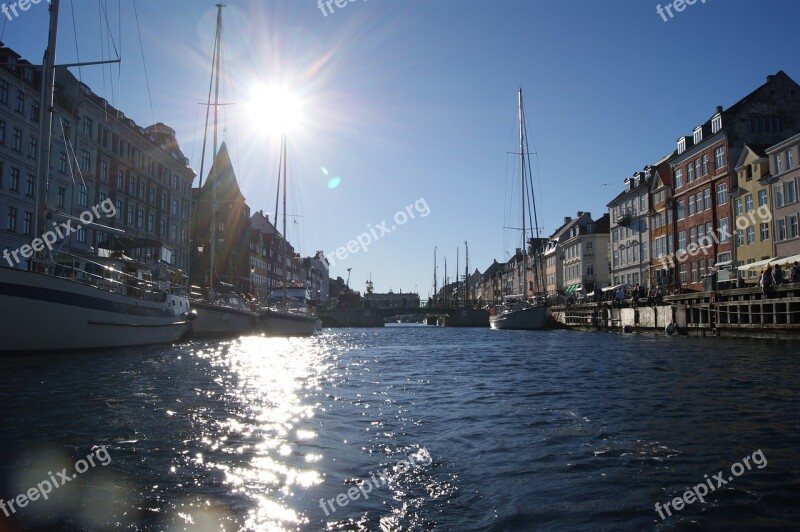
105, 277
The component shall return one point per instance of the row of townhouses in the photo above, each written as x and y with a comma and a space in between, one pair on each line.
724, 197
98, 156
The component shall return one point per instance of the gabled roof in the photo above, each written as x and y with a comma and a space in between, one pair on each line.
644, 184
222, 175
759, 150
733, 109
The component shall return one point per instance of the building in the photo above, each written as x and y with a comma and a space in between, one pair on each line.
584, 250
630, 234
662, 224
785, 171
98, 156
553, 256
317, 272
391, 300
703, 173
752, 207
230, 248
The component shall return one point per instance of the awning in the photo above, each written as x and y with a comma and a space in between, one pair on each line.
574, 288
614, 288
761, 264
723, 264
788, 261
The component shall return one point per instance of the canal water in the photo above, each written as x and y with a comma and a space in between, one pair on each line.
405, 428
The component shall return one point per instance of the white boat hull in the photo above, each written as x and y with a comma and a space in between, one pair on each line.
533, 318
214, 320
47, 313
279, 323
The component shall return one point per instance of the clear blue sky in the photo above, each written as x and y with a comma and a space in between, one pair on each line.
410, 99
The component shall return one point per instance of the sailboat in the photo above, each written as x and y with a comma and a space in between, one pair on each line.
289, 313
77, 301
220, 311
517, 312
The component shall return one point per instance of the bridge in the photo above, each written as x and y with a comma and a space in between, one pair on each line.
453, 316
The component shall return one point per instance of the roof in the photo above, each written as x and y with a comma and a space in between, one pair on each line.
222, 175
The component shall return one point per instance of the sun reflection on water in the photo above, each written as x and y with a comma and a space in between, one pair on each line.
266, 383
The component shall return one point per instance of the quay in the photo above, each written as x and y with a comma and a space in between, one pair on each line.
738, 312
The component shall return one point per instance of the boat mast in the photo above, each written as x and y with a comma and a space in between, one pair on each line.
46, 116
284, 220
435, 280
215, 74
466, 272
522, 179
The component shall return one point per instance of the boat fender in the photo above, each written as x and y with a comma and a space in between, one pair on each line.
670, 328
627, 329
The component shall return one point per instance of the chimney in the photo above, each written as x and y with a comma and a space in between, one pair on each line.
719, 108
580, 213
770, 77
567, 220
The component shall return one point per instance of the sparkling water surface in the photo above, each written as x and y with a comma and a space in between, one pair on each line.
441, 429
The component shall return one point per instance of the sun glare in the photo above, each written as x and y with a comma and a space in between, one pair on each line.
273, 109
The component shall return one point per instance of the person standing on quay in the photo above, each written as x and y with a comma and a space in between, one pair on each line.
777, 275
765, 281
794, 273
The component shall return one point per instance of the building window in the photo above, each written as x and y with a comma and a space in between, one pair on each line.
83, 196
681, 144
62, 197
29, 185
120, 180
130, 214
698, 135
691, 204
11, 221
719, 157
739, 207
104, 171
781, 229
699, 201
777, 195
689, 172
678, 178
16, 142
723, 230
152, 195
14, 180
692, 235
751, 235
119, 210
140, 218
27, 223
707, 197
716, 124
722, 194
705, 164
778, 163
175, 207
162, 228
174, 232
762, 198
20, 108
85, 161
683, 271
33, 147
2, 132
764, 232
789, 159
695, 273
82, 235
62, 162
793, 226
681, 210
748, 203
151, 222
790, 195
4, 92
87, 126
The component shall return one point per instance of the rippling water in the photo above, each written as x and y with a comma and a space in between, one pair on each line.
440, 429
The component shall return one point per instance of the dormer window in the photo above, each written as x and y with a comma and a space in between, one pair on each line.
716, 123
681, 145
698, 135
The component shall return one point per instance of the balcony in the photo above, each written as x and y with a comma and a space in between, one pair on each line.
624, 219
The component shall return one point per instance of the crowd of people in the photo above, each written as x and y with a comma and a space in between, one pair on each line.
774, 276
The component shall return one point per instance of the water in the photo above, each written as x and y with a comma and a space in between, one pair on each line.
499, 430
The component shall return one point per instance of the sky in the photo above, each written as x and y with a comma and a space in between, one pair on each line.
411, 105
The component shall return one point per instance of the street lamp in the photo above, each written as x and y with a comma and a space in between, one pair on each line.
252, 271
348, 279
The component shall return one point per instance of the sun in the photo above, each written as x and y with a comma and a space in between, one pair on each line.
273, 109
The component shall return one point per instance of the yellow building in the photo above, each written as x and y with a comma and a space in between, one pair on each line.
752, 205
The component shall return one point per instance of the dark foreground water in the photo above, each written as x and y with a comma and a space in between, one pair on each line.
405, 429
